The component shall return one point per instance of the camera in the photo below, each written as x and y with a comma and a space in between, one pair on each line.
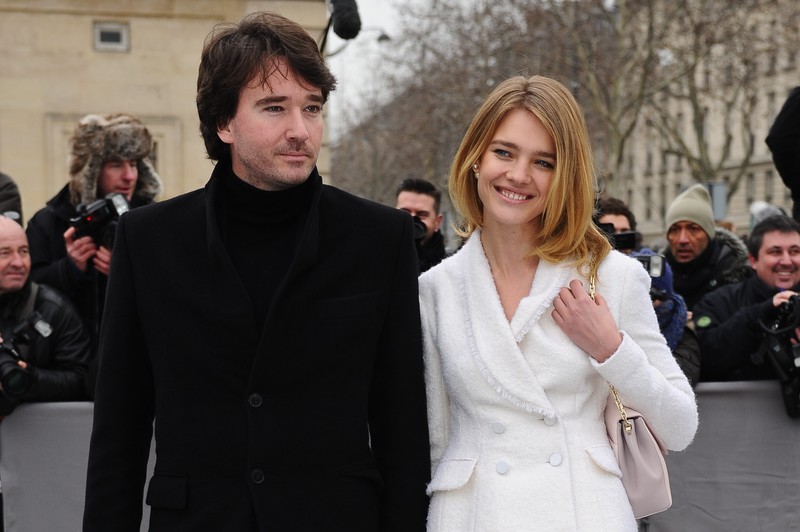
420, 229
653, 264
620, 241
781, 353
17, 381
98, 219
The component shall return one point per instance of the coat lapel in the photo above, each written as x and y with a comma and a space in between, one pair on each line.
492, 340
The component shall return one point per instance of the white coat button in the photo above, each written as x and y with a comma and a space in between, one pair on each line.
555, 459
549, 420
498, 427
502, 467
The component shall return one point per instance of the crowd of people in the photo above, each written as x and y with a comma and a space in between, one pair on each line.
316, 361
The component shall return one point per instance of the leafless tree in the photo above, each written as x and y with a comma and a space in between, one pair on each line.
717, 66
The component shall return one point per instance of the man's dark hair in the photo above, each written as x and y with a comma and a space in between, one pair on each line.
779, 222
617, 206
235, 55
421, 186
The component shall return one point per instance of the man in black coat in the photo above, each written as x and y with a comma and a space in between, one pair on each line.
422, 200
727, 319
40, 327
268, 324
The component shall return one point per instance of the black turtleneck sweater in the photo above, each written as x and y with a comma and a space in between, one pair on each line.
260, 230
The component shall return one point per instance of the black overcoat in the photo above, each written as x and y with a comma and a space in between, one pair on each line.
325, 431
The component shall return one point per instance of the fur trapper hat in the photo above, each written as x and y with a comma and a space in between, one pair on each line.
693, 205
115, 137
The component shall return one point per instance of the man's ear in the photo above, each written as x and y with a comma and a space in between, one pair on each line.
752, 261
224, 133
438, 223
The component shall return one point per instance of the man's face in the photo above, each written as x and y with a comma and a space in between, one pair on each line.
687, 241
276, 134
619, 221
119, 176
778, 261
422, 206
15, 261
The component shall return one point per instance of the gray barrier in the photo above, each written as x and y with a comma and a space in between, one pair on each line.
741, 474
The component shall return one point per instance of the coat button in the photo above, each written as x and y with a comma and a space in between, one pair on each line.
502, 467
255, 400
257, 476
549, 420
498, 427
555, 459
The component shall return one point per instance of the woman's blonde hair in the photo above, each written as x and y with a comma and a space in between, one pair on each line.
567, 231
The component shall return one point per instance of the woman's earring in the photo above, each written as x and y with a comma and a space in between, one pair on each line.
475, 171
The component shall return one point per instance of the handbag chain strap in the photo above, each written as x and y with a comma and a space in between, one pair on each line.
626, 424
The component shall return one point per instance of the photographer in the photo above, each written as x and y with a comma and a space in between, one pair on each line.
672, 316
44, 354
422, 200
109, 155
612, 212
727, 319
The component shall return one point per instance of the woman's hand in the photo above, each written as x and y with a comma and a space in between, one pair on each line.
588, 323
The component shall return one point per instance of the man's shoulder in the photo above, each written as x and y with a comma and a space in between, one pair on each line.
182, 203
50, 298
341, 200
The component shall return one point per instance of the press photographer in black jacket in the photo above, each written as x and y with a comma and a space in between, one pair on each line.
727, 319
40, 327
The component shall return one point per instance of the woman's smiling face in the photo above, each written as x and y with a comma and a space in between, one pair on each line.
515, 171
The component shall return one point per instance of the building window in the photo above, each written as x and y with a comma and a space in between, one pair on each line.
768, 186
648, 203
750, 188
111, 36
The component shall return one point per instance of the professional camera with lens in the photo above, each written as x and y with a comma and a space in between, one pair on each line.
420, 229
621, 241
781, 353
15, 380
98, 219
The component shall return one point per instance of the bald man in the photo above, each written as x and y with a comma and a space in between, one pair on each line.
44, 354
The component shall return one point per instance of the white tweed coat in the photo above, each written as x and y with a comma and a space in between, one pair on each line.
518, 442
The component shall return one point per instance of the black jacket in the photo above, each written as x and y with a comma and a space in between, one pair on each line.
58, 362
314, 420
50, 264
726, 321
432, 252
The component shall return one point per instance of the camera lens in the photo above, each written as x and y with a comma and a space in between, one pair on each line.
15, 380
420, 229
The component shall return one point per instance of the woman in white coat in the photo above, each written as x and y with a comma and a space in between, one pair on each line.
518, 355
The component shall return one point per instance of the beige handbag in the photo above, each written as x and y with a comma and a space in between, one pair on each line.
641, 458
640, 454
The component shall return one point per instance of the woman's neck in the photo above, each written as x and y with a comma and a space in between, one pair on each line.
513, 265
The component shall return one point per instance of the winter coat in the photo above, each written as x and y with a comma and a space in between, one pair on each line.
312, 420
727, 327
10, 200
518, 441
57, 362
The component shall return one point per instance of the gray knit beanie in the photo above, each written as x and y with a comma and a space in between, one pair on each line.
117, 137
693, 205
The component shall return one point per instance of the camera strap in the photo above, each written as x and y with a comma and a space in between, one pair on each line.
30, 303
26, 310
